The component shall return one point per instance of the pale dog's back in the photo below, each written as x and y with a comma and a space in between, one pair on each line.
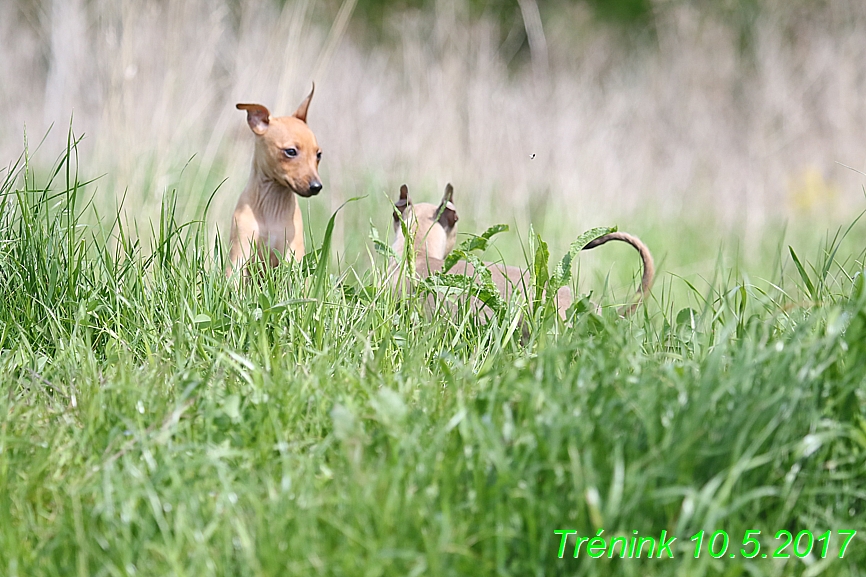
434, 229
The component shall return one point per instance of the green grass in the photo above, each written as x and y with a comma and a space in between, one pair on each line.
157, 420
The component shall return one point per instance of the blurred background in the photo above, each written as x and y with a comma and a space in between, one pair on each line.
692, 123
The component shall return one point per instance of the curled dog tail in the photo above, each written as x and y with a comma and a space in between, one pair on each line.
645, 256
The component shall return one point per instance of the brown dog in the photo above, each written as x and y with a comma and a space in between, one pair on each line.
435, 231
267, 219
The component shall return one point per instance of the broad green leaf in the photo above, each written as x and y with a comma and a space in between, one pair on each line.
480, 286
686, 317
541, 274
480, 243
562, 274
384, 249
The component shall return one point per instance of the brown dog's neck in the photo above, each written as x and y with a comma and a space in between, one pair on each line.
270, 197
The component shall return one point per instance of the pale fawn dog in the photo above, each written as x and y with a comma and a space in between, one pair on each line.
434, 229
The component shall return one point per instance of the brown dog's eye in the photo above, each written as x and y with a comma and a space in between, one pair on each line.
291, 152
319, 155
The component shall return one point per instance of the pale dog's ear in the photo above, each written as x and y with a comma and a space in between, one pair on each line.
447, 211
301, 112
402, 214
449, 194
402, 203
258, 117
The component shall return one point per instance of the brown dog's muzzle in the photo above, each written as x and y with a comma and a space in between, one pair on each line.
312, 189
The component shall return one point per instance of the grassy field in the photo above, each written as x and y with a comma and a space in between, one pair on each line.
156, 420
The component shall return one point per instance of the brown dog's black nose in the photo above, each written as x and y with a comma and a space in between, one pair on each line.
315, 187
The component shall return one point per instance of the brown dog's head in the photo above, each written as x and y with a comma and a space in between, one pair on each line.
286, 148
434, 227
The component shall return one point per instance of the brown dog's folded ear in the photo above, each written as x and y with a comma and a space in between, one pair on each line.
301, 112
258, 117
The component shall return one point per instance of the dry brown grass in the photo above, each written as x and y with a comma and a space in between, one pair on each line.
686, 126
